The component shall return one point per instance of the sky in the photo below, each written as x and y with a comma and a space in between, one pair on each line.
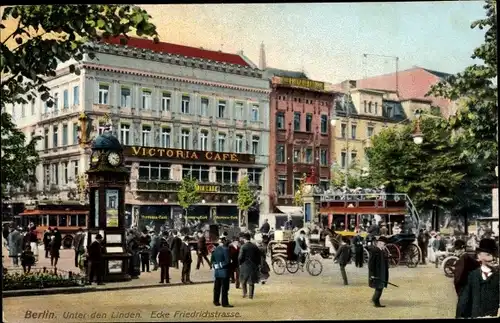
328, 40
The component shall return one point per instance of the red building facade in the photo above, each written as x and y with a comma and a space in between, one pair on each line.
300, 136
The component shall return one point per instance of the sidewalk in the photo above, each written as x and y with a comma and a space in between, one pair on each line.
145, 280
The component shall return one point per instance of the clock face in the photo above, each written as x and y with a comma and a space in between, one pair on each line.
114, 159
94, 159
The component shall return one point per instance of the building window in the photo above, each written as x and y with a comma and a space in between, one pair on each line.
343, 161
185, 139
76, 95
280, 120
296, 121
103, 94
255, 113
165, 137
204, 140
343, 130
323, 157
281, 185
324, 184
353, 157
46, 139
55, 174
324, 124
125, 98
46, 172
165, 101
75, 168
154, 171
239, 111
296, 184
309, 119
65, 173
65, 135
227, 175
296, 155
280, 153
146, 136
364, 106
185, 104
125, 134
146, 99
254, 175
239, 143
75, 133
221, 110
221, 142
376, 108
102, 127
54, 136
199, 173
204, 107
370, 107
353, 131
56, 101
65, 99
309, 155
369, 131
33, 107
255, 145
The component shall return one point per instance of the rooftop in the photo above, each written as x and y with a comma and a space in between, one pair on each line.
285, 73
174, 49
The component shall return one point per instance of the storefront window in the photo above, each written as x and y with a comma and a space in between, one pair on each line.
227, 175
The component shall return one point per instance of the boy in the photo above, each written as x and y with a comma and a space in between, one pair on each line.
27, 259
480, 295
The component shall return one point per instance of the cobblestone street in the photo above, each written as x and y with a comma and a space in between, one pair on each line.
424, 292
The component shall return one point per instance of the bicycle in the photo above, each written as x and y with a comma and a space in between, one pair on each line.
313, 266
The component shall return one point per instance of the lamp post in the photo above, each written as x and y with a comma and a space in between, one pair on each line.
418, 136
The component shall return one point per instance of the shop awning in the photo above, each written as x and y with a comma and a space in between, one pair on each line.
292, 210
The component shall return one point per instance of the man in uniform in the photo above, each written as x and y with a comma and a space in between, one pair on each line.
378, 270
480, 296
221, 262
249, 260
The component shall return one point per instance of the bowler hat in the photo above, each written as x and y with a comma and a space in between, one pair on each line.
487, 245
383, 239
459, 244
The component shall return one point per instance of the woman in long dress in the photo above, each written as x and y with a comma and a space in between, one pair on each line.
264, 267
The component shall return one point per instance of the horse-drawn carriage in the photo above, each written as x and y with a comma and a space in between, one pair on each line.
402, 248
283, 258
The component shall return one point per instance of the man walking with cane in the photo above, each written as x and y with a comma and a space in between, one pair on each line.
378, 270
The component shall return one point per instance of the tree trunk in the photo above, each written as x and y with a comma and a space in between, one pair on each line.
466, 225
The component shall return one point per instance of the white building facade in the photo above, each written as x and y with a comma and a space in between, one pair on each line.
159, 97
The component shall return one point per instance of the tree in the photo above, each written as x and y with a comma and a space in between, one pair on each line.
476, 90
434, 174
298, 197
188, 194
246, 197
43, 37
357, 176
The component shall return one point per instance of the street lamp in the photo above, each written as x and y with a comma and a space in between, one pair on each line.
165, 201
229, 201
418, 136
203, 201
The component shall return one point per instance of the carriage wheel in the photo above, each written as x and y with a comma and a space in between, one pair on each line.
449, 266
314, 267
412, 256
292, 266
279, 265
394, 254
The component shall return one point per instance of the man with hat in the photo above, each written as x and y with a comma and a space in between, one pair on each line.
95, 259
357, 242
464, 266
249, 260
220, 262
378, 270
480, 295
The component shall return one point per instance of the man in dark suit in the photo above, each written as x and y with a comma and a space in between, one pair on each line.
423, 243
342, 257
175, 248
463, 267
78, 245
202, 250
234, 268
164, 261
221, 262
95, 259
378, 270
357, 242
249, 260
480, 296
185, 257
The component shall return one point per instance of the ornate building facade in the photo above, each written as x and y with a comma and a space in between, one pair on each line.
178, 110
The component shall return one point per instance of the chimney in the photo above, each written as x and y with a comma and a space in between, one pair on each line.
262, 57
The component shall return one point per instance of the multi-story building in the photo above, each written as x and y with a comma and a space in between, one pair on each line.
300, 136
365, 113
178, 110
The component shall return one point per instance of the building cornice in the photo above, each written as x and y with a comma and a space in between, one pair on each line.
206, 64
130, 71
